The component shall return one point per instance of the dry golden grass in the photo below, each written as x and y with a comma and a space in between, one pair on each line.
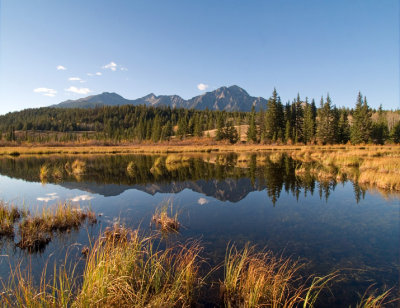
165, 222
128, 271
260, 279
9, 215
35, 230
374, 166
194, 147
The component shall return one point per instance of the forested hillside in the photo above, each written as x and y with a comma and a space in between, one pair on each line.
298, 121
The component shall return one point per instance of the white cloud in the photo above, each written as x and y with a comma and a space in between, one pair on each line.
74, 79
202, 86
46, 91
61, 68
95, 74
112, 66
123, 68
82, 198
52, 196
78, 90
202, 201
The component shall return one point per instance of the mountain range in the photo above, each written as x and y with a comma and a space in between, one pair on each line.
231, 98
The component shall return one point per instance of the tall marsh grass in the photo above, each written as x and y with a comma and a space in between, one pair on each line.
9, 215
162, 219
131, 271
36, 229
261, 279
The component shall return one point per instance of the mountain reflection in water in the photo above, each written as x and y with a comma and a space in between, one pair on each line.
228, 177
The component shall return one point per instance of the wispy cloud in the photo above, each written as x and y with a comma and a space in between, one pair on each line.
61, 68
46, 91
50, 197
74, 79
82, 198
202, 86
123, 68
112, 66
94, 74
78, 90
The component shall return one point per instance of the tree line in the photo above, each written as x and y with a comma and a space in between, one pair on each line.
298, 121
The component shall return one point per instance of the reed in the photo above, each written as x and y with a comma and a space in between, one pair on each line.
130, 271
44, 172
35, 230
260, 279
372, 300
9, 215
57, 291
164, 221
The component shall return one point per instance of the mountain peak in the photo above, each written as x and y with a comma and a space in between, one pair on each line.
232, 98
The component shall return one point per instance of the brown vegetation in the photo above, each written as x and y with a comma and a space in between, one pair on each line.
35, 230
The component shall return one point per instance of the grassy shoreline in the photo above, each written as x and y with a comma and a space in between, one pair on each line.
181, 148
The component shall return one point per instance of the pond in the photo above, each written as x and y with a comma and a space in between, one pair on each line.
329, 224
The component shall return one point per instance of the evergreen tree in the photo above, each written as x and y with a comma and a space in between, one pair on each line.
274, 118
182, 127
362, 124
308, 123
298, 120
156, 133
261, 124
197, 130
288, 121
252, 131
325, 122
395, 133
219, 135
380, 130
343, 128
231, 133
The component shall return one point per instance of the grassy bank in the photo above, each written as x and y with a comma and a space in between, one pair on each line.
378, 167
185, 148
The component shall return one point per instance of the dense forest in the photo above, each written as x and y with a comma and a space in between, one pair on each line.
298, 121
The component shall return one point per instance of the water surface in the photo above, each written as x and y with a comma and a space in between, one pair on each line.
220, 199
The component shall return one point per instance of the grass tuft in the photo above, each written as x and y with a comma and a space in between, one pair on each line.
165, 222
35, 230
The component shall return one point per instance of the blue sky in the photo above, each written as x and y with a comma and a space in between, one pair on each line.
172, 47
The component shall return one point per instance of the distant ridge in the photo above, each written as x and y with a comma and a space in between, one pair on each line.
231, 98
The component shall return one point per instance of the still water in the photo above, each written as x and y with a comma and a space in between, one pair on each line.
220, 199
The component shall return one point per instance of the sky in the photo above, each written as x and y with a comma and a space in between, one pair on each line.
51, 51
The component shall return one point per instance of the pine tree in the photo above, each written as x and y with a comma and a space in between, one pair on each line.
182, 127
219, 135
274, 118
230, 133
298, 121
308, 123
252, 131
343, 128
361, 127
197, 130
395, 133
380, 130
325, 123
288, 121
156, 133
261, 124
